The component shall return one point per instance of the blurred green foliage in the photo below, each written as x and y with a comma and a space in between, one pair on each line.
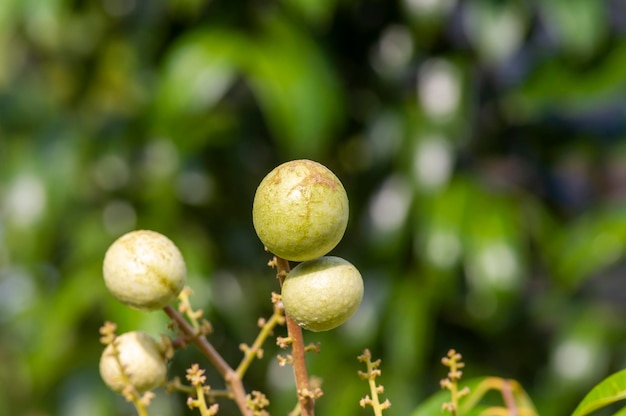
481, 144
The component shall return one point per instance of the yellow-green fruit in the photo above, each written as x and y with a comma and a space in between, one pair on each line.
322, 294
144, 269
300, 210
141, 359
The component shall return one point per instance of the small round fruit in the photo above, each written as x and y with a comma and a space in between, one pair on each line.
300, 210
144, 269
141, 359
322, 294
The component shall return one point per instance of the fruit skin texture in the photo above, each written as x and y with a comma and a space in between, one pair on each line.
140, 356
144, 270
300, 210
322, 294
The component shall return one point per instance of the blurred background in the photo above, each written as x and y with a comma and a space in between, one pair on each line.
481, 143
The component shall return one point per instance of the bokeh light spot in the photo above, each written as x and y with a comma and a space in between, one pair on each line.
432, 162
390, 205
25, 200
439, 88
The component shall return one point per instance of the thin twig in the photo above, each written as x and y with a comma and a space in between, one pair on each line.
228, 374
307, 403
250, 352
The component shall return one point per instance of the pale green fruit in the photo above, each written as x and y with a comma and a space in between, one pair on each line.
322, 294
144, 269
300, 210
141, 359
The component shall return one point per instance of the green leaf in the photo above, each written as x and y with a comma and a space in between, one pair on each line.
199, 69
609, 390
297, 89
556, 86
474, 403
592, 243
577, 23
294, 84
496, 28
432, 405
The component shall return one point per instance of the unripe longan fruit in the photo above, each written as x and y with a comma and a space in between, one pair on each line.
300, 210
144, 270
141, 359
322, 294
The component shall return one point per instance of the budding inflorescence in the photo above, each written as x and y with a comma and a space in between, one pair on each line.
283, 360
108, 332
453, 361
202, 326
312, 393
196, 377
370, 375
257, 402
267, 328
283, 342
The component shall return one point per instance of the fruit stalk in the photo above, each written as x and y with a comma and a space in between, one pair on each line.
229, 375
307, 403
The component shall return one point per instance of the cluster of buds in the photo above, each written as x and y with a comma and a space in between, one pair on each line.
453, 361
370, 375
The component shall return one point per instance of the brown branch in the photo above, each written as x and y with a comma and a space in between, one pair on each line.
305, 396
228, 374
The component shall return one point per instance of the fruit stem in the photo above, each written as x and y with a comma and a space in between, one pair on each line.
305, 398
228, 374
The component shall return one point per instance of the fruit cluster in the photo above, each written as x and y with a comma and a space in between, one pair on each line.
146, 271
300, 212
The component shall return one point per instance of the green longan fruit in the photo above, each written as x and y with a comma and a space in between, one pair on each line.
322, 294
141, 359
300, 210
144, 270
